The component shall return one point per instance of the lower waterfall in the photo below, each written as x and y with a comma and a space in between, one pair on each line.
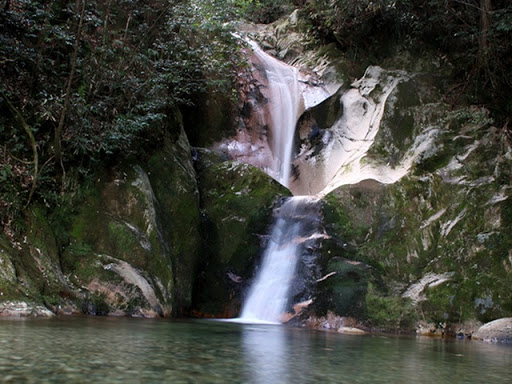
295, 224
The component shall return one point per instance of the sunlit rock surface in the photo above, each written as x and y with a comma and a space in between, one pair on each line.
376, 129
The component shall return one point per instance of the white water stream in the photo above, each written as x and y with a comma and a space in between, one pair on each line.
285, 105
268, 295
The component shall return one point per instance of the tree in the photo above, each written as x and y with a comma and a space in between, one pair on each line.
79, 10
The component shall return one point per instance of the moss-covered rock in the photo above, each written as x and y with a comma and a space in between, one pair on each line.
8, 279
343, 289
438, 237
134, 242
174, 183
128, 244
237, 201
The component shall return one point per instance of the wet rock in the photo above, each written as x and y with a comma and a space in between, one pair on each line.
23, 309
332, 322
497, 331
351, 331
237, 202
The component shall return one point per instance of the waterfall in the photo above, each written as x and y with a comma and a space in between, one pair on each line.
285, 102
295, 221
295, 225
337, 156
286, 99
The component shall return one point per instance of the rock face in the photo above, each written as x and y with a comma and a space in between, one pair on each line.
130, 248
236, 201
497, 331
368, 131
434, 243
134, 244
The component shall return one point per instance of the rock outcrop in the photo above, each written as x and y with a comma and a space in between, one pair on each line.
236, 202
497, 331
435, 241
130, 248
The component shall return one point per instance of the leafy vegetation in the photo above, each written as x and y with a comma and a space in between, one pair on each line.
87, 82
471, 37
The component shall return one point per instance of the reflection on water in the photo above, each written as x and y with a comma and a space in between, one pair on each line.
105, 350
266, 354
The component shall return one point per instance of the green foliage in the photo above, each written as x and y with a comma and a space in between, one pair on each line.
266, 11
389, 312
480, 56
137, 63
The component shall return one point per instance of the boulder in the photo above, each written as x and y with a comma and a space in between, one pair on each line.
134, 242
17, 309
237, 202
497, 331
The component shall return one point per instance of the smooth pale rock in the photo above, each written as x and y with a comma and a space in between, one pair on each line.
23, 309
416, 291
351, 331
497, 331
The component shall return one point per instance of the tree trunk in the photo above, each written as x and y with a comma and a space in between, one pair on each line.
62, 119
483, 56
33, 145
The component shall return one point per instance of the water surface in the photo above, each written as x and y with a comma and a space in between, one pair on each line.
121, 350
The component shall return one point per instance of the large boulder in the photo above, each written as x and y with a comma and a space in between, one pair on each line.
499, 331
129, 247
237, 201
134, 243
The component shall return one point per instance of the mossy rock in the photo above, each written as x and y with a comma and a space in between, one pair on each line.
8, 280
412, 107
237, 202
344, 288
146, 216
388, 312
450, 216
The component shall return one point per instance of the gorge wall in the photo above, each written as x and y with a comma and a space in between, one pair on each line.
415, 215
415, 191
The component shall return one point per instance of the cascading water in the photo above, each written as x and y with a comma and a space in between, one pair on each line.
285, 102
328, 158
295, 225
287, 97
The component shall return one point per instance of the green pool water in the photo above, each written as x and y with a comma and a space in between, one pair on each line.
121, 350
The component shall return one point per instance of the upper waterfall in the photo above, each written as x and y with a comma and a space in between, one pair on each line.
277, 95
285, 104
